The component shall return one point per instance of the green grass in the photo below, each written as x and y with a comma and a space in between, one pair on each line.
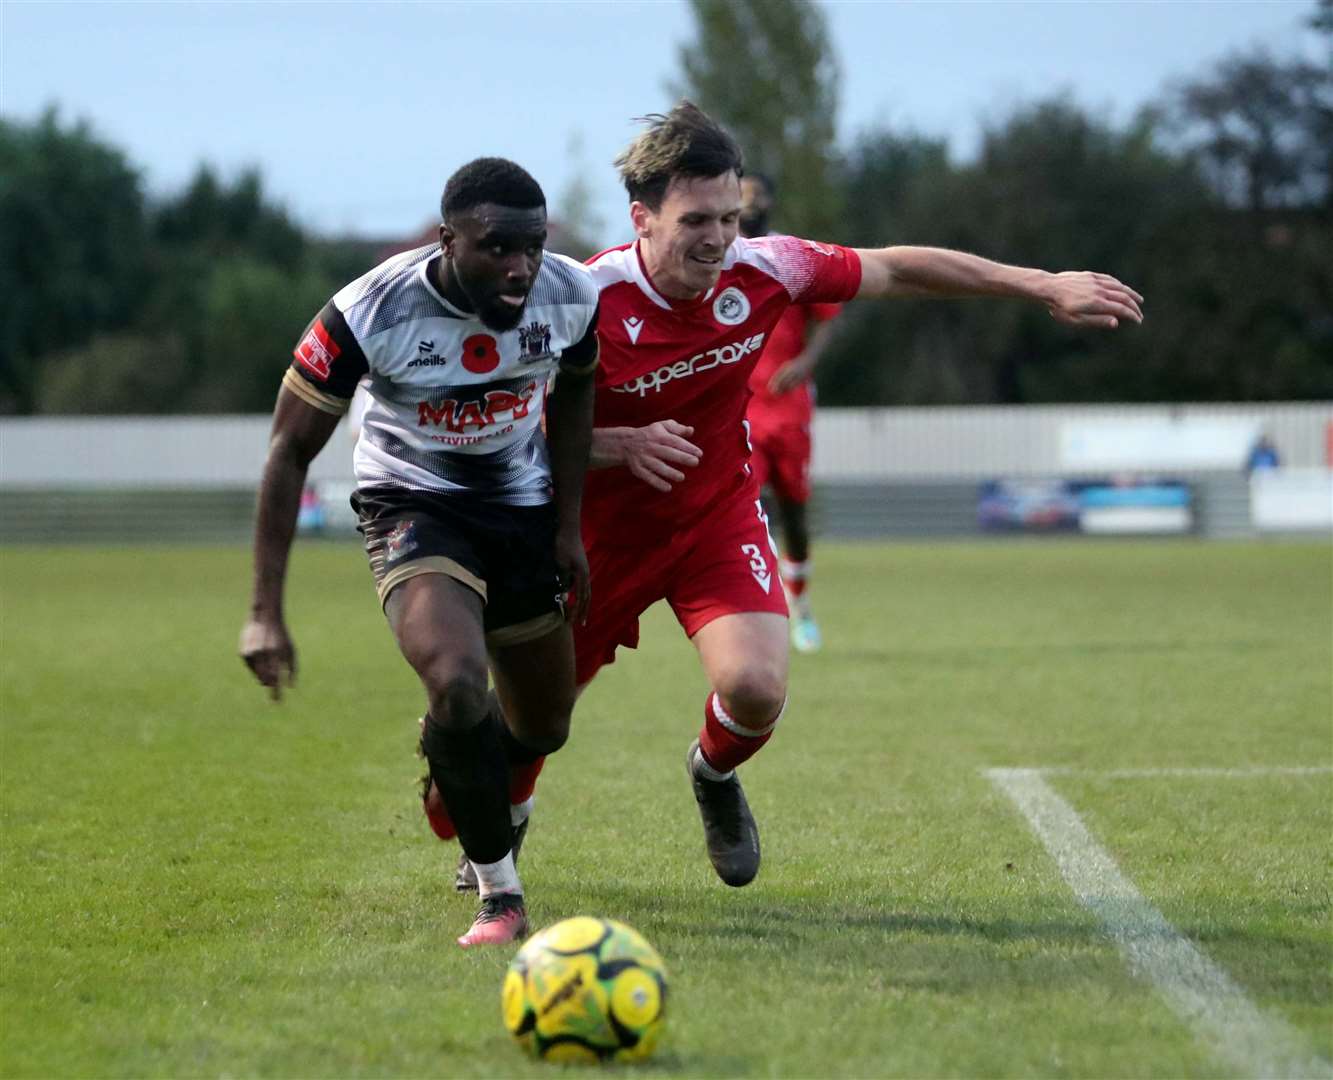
199, 883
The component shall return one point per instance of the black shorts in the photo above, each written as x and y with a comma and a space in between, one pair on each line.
505, 553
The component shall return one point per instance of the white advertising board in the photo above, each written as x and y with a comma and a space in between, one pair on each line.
1099, 445
1292, 500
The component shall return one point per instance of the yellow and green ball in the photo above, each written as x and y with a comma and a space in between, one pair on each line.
586, 990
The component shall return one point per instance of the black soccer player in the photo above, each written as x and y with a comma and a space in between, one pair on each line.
470, 513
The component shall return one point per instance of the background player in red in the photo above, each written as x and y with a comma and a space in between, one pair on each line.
671, 510
780, 414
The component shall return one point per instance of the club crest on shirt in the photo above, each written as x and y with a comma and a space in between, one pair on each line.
534, 342
401, 541
731, 308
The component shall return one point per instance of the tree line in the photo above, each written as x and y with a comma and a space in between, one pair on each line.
111, 302
1216, 202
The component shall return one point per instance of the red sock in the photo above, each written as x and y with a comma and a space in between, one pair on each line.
523, 780
438, 814
724, 743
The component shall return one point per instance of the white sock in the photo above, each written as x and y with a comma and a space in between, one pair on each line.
497, 877
704, 771
518, 812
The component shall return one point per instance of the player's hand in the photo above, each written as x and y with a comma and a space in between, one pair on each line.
268, 652
1084, 298
790, 375
657, 453
575, 579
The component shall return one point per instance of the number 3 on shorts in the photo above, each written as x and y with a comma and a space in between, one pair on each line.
758, 565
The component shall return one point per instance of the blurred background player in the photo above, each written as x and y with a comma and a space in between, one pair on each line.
780, 415
470, 513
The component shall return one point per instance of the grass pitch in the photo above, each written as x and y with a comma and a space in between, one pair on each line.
199, 883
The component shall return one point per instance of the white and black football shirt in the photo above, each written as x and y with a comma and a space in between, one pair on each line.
454, 406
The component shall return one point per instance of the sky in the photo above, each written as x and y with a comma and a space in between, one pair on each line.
357, 112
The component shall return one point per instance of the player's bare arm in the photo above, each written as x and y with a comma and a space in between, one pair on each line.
655, 453
299, 433
1074, 297
569, 437
800, 368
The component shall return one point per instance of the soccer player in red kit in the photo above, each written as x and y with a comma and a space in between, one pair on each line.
671, 509
780, 415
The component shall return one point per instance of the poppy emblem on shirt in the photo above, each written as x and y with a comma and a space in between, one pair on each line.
480, 354
731, 308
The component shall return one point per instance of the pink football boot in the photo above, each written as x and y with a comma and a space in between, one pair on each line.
501, 919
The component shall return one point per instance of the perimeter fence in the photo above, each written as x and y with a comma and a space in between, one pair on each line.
877, 473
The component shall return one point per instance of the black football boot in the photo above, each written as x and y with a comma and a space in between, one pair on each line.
730, 833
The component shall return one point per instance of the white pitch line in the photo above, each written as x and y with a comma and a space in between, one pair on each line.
1198, 991
1251, 772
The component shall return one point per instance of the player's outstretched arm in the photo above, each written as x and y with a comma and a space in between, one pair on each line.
1075, 297
299, 433
655, 454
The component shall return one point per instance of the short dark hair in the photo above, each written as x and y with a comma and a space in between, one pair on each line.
490, 180
684, 142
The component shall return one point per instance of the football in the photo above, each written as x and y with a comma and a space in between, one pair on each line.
588, 990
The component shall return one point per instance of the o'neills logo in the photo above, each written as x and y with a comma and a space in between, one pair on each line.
695, 365
731, 308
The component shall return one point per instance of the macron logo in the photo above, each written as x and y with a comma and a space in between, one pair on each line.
632, 327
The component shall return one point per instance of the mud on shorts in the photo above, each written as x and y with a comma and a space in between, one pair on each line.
506, 554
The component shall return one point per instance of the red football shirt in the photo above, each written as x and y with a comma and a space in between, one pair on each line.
786, 342
690, 361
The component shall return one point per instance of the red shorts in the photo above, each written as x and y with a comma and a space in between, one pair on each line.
725, 564
780, 459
